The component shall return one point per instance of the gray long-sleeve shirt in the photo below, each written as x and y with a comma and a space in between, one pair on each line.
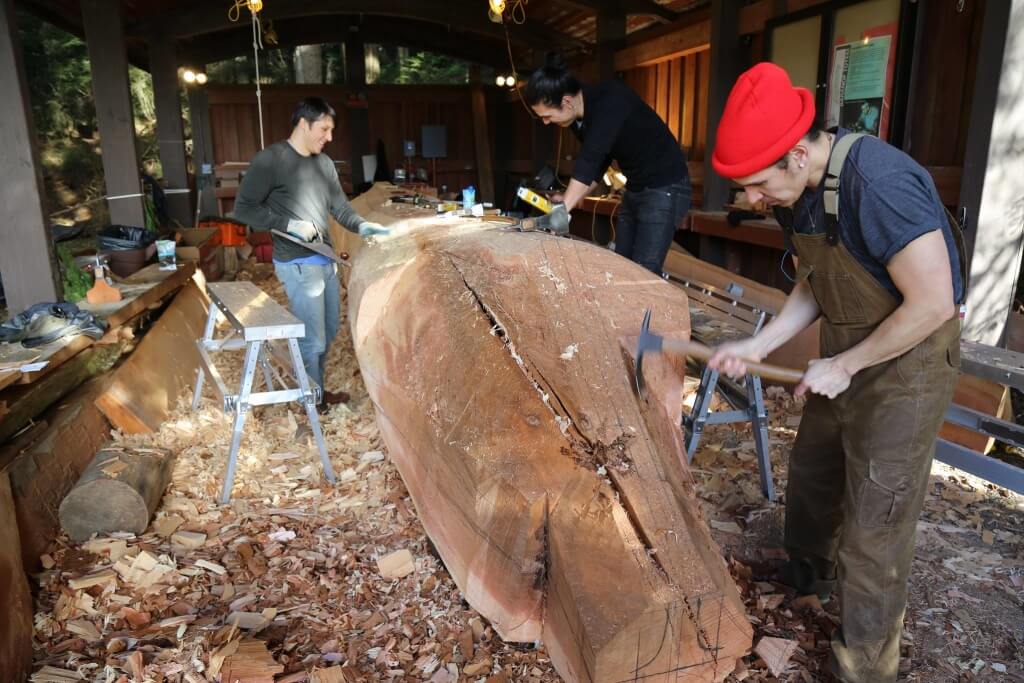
282, 185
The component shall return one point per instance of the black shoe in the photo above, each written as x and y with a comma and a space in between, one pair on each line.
806, 579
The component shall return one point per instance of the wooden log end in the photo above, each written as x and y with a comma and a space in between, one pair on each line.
102, 506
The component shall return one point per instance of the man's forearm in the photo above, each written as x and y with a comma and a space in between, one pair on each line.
575, 192
800, 310
347, 216
905, 328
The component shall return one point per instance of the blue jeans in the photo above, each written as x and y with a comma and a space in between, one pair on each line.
647, 222
314, 299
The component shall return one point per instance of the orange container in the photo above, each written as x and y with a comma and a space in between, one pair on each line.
231, 234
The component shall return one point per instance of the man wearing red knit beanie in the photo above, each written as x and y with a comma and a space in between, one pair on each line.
880, 261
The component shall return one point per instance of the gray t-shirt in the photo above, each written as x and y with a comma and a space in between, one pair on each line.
281, 184
886, 201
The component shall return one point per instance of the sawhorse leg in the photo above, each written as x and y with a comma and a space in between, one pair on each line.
241, 407
211, 323
759, 425
695, 423
309, 398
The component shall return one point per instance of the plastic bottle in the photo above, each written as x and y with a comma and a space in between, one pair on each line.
468, 198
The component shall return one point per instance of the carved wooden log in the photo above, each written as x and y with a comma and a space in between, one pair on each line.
500, 369
118, 491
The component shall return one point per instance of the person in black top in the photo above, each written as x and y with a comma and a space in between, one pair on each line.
613, 123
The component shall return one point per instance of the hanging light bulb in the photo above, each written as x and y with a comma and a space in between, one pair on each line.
496, 6
500, 81
189, 76
254, 5
201, 78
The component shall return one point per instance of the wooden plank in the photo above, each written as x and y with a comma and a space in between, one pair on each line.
146, 387
16, 626
661, 103
764, 233
21, 404
675, 95
689, 102
686, 40
165, 282
563, 513
797, 352
482, 144
985, 397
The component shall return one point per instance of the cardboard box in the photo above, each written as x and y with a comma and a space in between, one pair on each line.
202, 245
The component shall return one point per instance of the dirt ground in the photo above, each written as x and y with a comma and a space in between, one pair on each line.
294, 564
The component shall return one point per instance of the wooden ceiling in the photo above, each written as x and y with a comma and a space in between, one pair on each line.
460, 28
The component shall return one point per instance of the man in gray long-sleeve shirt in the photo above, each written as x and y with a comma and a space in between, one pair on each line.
292, 186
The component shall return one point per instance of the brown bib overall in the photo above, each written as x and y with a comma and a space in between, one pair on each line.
859, 468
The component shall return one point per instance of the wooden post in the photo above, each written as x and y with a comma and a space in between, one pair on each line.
358, 117
725, 69
104, 35
16, 626
611, 35
482, 140
26, 252
163, 64
202, 151
992, 184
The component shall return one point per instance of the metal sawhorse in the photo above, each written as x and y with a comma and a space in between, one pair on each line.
263, 325
711, 307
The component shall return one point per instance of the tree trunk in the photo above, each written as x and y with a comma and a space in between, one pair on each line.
499, 364
118, 491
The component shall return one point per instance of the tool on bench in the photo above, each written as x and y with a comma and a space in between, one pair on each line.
556, 222
701, 415
319, 247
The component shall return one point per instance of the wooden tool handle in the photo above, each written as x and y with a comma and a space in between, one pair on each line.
697, 350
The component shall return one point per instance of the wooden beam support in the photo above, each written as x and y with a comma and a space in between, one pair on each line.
628, 8
992, 184
209, 18
27, 265
163, 65
689, 38
725, 69
16, 626
358, 116
104, 31
611, 35
482, 143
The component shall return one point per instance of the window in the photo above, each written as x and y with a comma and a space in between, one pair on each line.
845, 52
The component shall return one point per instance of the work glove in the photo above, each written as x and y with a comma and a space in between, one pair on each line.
304, 230
368, 229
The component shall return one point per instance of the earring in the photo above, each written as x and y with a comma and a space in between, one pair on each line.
802, 164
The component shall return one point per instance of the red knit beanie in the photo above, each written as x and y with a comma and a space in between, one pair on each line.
765, 116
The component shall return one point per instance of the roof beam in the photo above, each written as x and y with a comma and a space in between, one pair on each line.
407, 33
212, 17
629, 7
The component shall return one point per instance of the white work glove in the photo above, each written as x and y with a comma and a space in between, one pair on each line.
302, 229
369, 229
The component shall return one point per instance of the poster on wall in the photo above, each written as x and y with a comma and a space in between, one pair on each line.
860, 82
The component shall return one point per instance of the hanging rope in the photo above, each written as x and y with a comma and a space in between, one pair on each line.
257, 44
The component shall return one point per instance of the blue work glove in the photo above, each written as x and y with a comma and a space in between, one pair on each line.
302, 229
368, 229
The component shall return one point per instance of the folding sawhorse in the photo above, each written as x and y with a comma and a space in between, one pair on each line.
263, 326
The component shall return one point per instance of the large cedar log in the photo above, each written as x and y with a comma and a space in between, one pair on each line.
118, 491
498, 364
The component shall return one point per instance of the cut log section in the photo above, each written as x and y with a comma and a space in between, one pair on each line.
118, 491
557, 498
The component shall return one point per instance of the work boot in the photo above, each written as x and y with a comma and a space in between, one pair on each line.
806, 579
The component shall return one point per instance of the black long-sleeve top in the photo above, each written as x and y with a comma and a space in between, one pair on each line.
618, 125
